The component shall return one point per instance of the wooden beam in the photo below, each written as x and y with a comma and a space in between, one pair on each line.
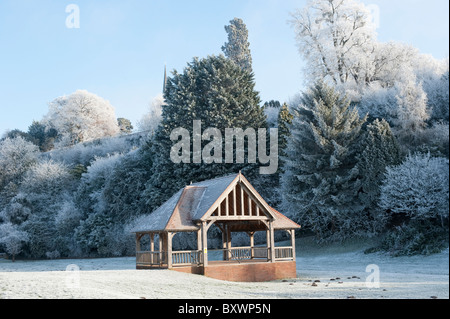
272, 242
293, 242
228, 243
152, 246
205, 244
237, 218
138, 242
252, 243
169, 249
242, 202
160, 242
227, 207
199, 239
224, 242
234, 201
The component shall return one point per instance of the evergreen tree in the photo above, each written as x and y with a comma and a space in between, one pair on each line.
42, 137
379, 149
320, 182
124, 125
221, 95
237, 48
284, 121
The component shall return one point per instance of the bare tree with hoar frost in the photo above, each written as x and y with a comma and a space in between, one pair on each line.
80, 117
336, 37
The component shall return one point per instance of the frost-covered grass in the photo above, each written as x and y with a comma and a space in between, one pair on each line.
332, 271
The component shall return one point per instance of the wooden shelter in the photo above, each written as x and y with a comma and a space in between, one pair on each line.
233, 205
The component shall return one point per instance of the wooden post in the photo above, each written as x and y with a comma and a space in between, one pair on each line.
138, 242
252, 244
227, 207
293, 243
152, 247
234, 202
160, 242
272, 242
228, 243
205, 244
224, 242
242, 201
169, 249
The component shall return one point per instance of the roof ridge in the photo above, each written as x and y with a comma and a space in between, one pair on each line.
213, 179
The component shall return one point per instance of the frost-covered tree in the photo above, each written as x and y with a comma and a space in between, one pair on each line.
123, 189
321, 181
89, 197
150, 121
45, 188
416, 194
438, 98
125, 126
80, 117
272, 109
418, 188
16, 157
412, 106
237, 48
336, 39
12, 239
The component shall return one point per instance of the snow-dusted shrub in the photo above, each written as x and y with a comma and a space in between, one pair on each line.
88, 196
418, 188
46, 177
417, 191
44, 189
416, 238
85, 153
16, 156
379, 102
12, 238
17, 210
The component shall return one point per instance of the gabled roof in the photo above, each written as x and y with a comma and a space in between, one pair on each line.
197, 202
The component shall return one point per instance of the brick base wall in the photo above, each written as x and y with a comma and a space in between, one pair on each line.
246, 272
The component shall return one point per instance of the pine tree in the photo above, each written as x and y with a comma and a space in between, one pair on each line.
284, 121
379, 149
320, 182
237, 48
221, 95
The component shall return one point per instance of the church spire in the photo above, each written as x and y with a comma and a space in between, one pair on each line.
165, 79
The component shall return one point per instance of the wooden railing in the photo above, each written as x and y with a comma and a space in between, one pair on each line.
190, 257
283, 253
243, 253
151, 258
195, 257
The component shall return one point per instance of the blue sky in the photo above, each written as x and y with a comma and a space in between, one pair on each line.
121, 47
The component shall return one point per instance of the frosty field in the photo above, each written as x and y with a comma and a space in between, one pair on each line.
337, 271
